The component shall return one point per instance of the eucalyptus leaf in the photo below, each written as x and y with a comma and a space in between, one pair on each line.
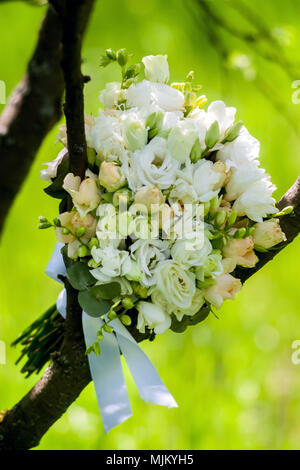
106, 291
92, 306
79, 276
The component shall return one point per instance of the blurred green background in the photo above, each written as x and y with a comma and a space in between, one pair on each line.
233, 378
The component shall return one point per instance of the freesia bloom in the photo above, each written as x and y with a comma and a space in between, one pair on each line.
135, 131
241, 179
149, 196
153, 317
111, 95
51, 171
148, 253
199, 181
156, 68
241, 252
152, 165
181, 139
241, 150
225, 288
144, 94
111, 177
268, 234
257, 201
72, 221
85, 194
107, 138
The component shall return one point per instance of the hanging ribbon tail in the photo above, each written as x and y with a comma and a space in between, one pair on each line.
107, 375
106, 369
148, 382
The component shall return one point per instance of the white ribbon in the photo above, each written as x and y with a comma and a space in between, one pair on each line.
106, 369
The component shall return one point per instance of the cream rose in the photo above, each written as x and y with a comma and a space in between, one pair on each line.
225, 288
176, 284
268, 234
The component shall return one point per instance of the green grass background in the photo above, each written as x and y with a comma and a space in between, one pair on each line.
233, 378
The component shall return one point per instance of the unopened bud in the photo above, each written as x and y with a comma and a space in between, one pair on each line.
82, 251
112, 315
233, 132
196, 151
122, 57
212, 135
111, 54
127, 303
80, 231
126, 320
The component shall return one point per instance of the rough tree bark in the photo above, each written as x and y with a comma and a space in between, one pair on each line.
33, 109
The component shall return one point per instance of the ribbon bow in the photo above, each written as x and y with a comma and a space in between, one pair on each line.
106, 369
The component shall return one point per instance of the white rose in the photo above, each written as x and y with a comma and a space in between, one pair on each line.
112, 93
176, 284
268, 234
85, 194
185, 254
156, 68
148, 253
243, 149
225, 288
257, 201
197, 303
217, 111
51, 171
242, 177
181, 139
153, 317
152, 165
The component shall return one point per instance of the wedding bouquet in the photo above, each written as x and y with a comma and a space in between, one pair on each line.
174, 202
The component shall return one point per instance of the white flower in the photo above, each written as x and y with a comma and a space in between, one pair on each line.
148, 253
176, 284
181, 139
152, 165
111, 177
225, 288
217, 111
243, 149
242, 177
51, 171
153, 317
111, 94
108, 231
268, 234
85, 194
257, 201
135, 131
211, 268
184, 253
240, 251
196, 305
107, 138
199, 181
171, 118
156, 68
146, 94
114, 263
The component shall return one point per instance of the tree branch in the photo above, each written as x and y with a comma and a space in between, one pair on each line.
33, 109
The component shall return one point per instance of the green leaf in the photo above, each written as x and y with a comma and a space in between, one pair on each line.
55, 189
181, 326
106, 291
79, 276
91, 305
